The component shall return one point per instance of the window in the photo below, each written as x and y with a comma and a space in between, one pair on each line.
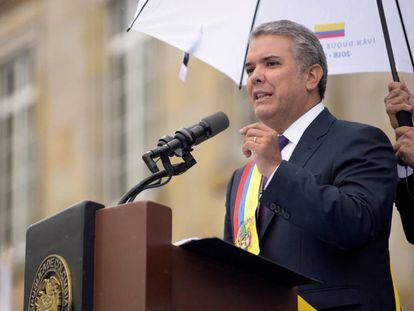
128, 105
18, 152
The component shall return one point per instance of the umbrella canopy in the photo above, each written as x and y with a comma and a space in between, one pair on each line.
217, 31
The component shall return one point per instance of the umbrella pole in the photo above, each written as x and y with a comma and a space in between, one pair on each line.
403, 117
405, 33
136, 17
247, 47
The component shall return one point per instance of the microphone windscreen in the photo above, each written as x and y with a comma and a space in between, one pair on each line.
217, 122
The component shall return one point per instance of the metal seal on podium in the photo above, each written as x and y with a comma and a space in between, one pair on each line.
52, 286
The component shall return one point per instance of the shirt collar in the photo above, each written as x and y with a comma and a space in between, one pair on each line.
295, 131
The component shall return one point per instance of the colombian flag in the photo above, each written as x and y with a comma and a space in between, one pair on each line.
324, 31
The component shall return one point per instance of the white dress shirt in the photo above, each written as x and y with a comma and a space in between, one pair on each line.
295, 131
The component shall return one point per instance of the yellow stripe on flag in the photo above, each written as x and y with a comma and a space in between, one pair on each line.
252, 200
329, 27
396, 295
303, 305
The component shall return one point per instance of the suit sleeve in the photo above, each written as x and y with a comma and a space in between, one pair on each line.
228, 230
405, 205
350, 207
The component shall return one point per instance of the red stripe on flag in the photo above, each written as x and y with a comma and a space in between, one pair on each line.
331, 35
238, 199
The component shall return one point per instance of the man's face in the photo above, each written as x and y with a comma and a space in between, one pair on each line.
276, 88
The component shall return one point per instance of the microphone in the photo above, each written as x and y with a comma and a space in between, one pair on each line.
185, 138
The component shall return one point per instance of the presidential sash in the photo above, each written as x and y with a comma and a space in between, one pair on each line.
244, 221
244, 216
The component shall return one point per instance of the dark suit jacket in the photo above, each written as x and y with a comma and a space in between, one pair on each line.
405, 205
331, 214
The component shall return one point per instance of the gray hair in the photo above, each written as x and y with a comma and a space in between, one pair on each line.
307, 50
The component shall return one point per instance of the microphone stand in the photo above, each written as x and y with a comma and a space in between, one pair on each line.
180, 146
154, 180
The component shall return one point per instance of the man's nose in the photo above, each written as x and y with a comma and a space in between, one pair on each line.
257, 76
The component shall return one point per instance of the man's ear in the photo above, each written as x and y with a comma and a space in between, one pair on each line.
315, 73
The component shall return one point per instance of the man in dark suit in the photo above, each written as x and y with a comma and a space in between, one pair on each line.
401, 99
326, 197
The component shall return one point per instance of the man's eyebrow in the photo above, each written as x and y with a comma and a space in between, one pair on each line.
270, 57
266, 58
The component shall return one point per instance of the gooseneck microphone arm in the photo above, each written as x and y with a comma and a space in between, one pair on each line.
152, 181
145, 184
180, 146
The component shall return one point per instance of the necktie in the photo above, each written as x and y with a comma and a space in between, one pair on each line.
283, 141
263, 210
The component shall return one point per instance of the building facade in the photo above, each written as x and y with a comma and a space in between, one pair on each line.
81, 100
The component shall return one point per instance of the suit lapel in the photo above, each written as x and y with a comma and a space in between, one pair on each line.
310, 141
312, 138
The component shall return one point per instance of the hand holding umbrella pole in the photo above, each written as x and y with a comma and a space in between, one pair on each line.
404, 117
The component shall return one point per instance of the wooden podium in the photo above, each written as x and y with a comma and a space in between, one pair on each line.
121, 258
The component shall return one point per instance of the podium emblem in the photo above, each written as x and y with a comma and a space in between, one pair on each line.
52, 286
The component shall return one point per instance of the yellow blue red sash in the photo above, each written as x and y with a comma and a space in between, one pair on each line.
244, 221
244, 217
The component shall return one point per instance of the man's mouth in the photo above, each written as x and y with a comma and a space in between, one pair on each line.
260, 95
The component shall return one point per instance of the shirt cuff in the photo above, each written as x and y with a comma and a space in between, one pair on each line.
404, 171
